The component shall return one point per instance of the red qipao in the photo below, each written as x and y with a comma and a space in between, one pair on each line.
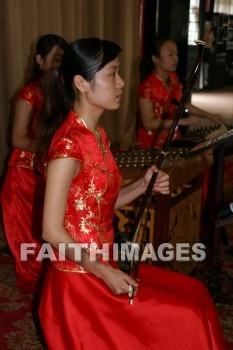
22, 198
156, 91
77, 310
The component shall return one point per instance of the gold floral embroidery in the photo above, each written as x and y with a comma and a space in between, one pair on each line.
92, 187
84, 223
70, 228
68, 142
80, 204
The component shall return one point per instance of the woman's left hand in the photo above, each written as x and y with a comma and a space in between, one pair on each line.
162, 182
216, 118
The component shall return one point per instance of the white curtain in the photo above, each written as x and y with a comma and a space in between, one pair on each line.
223, 6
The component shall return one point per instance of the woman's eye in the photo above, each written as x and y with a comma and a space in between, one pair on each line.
112, 74
57, 58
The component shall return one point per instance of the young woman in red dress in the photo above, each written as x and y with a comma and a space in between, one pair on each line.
85, 302
22, 193
157, 91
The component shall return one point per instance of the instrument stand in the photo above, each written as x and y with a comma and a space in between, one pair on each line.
214, 261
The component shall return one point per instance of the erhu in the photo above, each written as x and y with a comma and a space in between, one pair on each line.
132, 266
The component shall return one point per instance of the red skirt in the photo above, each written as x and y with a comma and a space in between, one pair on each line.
22, 200
171, 311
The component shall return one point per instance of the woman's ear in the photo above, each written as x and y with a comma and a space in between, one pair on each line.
39, 60
80, 83
155, 59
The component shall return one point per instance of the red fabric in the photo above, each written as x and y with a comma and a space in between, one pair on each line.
32, 94
22, 199
77, 310
93, 193
22, 204
155, 90
171, 311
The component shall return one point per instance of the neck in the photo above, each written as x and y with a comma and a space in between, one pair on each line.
162, 75
88, 124
88, 117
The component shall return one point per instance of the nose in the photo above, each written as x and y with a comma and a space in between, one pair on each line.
176, 59
120, 82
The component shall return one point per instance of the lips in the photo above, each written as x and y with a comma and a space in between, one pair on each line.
119, 97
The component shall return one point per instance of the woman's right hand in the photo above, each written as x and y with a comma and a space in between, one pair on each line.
118, 281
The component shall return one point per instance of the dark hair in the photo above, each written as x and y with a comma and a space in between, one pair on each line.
153, 49
43, 46
82, 57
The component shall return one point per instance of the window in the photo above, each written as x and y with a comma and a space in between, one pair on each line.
193, 30
223, 6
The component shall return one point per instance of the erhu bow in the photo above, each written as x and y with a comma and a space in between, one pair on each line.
133, 270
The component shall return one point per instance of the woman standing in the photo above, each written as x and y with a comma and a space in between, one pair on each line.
85, 302
23, 188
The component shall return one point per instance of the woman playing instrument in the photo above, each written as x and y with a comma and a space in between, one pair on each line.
159, 93
23, 188
85, 302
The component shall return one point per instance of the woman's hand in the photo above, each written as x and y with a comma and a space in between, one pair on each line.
162, 182
118, 281
135, 189
216, 118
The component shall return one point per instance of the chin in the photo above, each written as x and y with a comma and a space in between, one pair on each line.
114, 106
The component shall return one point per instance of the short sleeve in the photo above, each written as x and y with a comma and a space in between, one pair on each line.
27, 94
145, 91
64, 148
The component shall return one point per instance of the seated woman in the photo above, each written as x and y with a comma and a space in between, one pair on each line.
85, 301
159, 93
23, 189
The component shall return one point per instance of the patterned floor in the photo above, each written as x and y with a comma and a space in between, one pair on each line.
18, 324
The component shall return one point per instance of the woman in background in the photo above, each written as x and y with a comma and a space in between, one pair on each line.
85, 302
159, 93
22, 193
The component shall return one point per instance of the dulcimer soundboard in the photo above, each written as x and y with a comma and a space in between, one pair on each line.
186, 157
